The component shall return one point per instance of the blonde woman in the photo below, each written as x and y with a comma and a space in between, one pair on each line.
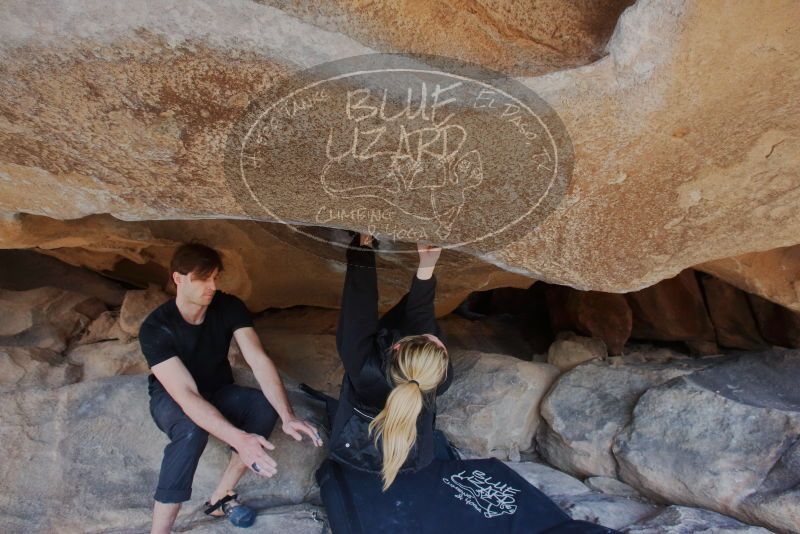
394, 369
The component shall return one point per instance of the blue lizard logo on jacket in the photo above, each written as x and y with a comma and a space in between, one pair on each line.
477, 490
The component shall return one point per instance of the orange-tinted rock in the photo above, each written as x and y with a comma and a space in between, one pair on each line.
680, 160
730, 311
605, 316
672, 310
499, 334
523, 39
259, 266
773, 274
778, 325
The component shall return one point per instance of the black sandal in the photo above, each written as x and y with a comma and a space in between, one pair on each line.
238, 514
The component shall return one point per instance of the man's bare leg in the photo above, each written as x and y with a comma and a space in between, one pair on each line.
233, 473
164, 515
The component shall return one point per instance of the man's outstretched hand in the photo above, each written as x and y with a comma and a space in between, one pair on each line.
251, 450
297, 427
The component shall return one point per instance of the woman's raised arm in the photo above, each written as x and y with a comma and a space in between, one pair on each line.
358, 318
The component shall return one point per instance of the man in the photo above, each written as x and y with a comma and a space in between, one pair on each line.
192, 395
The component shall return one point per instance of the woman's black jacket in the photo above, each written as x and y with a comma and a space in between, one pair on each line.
364, 345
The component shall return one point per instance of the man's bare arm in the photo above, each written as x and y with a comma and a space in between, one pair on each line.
180, 385
271, 384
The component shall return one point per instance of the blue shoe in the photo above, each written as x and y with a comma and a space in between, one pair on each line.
238, 514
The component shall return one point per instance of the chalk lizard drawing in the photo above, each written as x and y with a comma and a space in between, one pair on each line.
492, 499
429, 186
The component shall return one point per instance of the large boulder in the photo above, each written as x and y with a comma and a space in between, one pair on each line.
771, 274
309, 358
549, 481
296, 519
108, 358
492, 406
589, 405
684, 520
726, 438
45, 317
732, 315
302, 343
137, 305
565, 34
612, 486
297, 320
105, 327
85, 457
605, 316
569, 350
777, 324
22, 367
261, 264
613, 504
26, 269
607, 510
499, 334
672, 310
579, 501
140, 130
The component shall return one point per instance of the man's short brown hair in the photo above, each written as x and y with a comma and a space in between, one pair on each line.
195, 258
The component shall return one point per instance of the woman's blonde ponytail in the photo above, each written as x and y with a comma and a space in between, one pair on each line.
417, 367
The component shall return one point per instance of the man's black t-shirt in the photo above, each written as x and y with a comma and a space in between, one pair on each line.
202, 348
